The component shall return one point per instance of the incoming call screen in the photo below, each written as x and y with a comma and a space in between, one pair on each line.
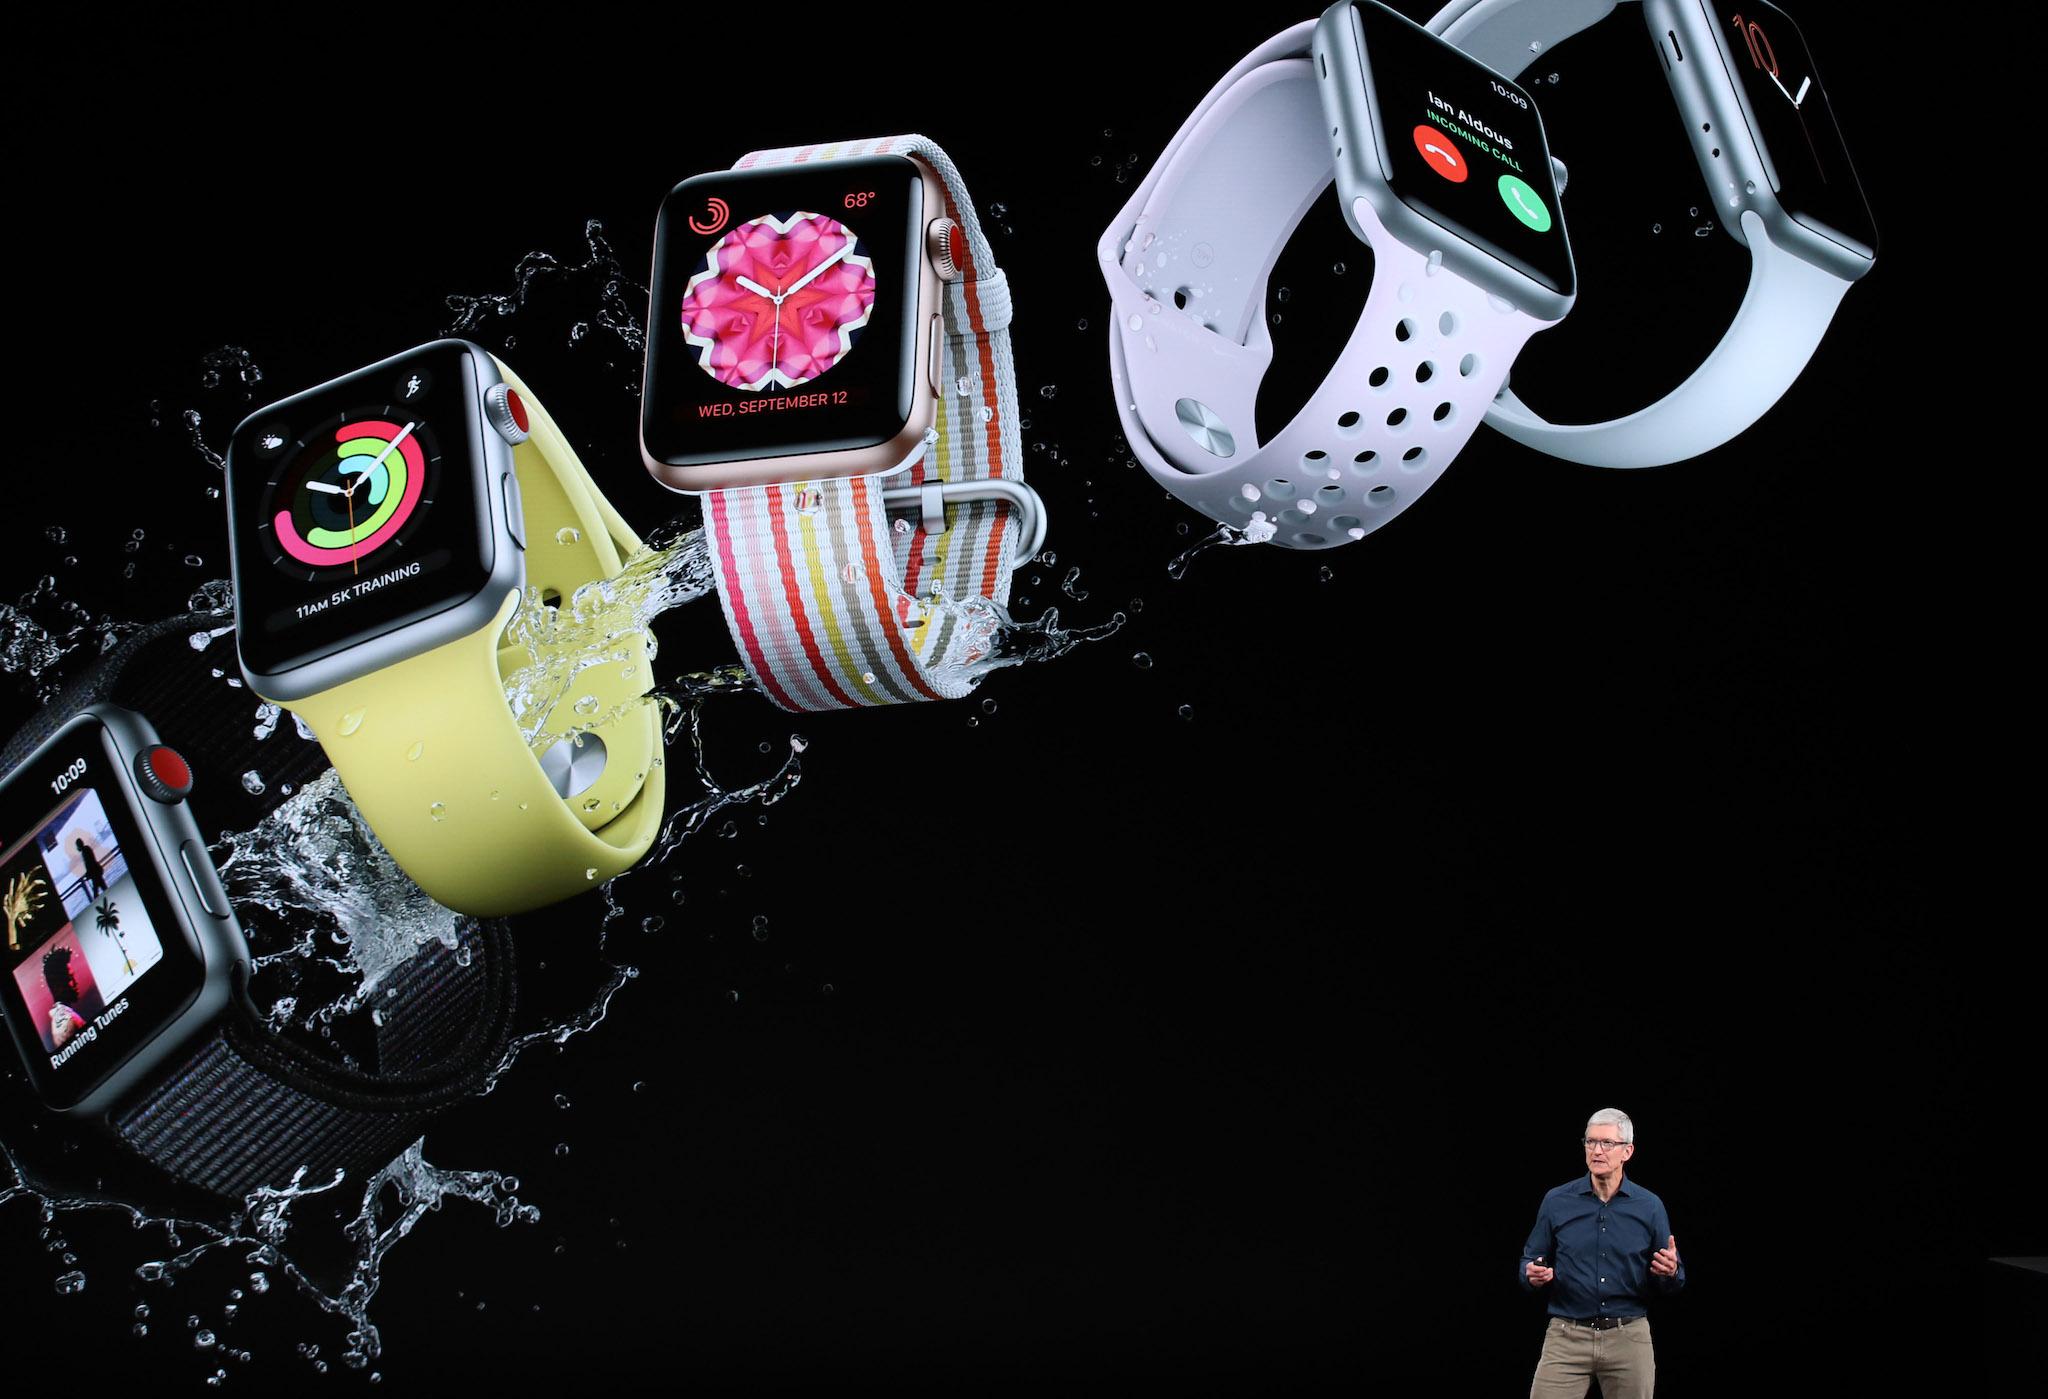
781, 311
1465, 147
94, 962
355, 507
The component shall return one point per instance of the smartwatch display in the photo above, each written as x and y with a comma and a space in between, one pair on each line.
828, 342
1442, 168
1776, 168
382, 529
125, 987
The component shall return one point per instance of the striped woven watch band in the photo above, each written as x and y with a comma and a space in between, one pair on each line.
831, 605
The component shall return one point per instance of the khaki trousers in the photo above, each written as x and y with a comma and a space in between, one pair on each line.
1573, 1356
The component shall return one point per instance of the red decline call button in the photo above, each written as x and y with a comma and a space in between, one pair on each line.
1442, 154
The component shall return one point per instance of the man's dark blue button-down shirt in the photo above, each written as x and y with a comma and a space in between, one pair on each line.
1601, 1251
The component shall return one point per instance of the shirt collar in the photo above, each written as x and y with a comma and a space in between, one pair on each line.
1586, 1185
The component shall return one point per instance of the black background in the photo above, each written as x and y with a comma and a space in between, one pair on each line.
1235, 1049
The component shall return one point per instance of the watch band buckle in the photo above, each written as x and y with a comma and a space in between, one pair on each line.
931, 498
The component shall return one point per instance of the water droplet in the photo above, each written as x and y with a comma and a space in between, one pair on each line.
494, 794
350, 722
901, 526
809, 501
1049, 391
1142, 660
985, 413
1082, 324
1693, 212
1656, 228
562, 1100
1338, 268
1749, 187
590, 873
438, 811
653, 923
760, 928
204, 1339
70, 1284
867, 677
586, 705
592, 803
1248, 491
568, 534
1186, 711
561, 1148
252, 782
194, 561
55, 534
412, 754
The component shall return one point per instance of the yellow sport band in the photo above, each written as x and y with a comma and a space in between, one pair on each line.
433, 756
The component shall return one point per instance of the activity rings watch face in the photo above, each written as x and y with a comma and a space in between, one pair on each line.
363, 508
112, 940
789, 321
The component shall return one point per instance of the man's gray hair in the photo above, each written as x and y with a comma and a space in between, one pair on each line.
1618, 1120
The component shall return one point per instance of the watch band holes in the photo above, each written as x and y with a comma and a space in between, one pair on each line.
1424, 372
1365, 463
1414, 459
1404, 330
1317, 455
1330, 495
1313, 539
1378, 378
1181, 297
1347, 523
1280, 489
1381, 497
1347, 423
1468, 366
1397, 417
1445, 414
1447, 325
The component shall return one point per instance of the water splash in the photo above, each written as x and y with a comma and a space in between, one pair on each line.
1258, 531
605, 623
40, 629
255, 1228
620, 298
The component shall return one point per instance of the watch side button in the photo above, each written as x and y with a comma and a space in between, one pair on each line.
199, 866
515, 511
932, 360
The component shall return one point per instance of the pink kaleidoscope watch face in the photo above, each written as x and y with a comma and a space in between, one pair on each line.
778, 301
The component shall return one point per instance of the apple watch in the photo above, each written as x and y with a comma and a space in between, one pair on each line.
828, 342
382, 528
1442, 168
1775, 166
125, 985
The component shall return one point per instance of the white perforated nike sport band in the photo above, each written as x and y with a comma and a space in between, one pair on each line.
1187, 263
1784, 313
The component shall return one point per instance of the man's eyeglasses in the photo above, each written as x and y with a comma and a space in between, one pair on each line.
1600, 1144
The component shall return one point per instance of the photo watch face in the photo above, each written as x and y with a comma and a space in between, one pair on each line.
1464, 147
357, 508
783, 309
96, 961
1792, 122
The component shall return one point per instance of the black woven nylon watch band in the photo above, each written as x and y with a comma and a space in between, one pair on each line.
246, 1107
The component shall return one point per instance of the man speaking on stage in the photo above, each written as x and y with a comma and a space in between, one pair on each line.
1603, 1246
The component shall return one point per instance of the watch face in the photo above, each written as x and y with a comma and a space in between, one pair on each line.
1792, 122
96, 962
1464, 147
358, 508
782, 309
778, 300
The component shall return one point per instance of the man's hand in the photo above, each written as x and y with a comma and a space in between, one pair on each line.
1538, 1274
1664, 1262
